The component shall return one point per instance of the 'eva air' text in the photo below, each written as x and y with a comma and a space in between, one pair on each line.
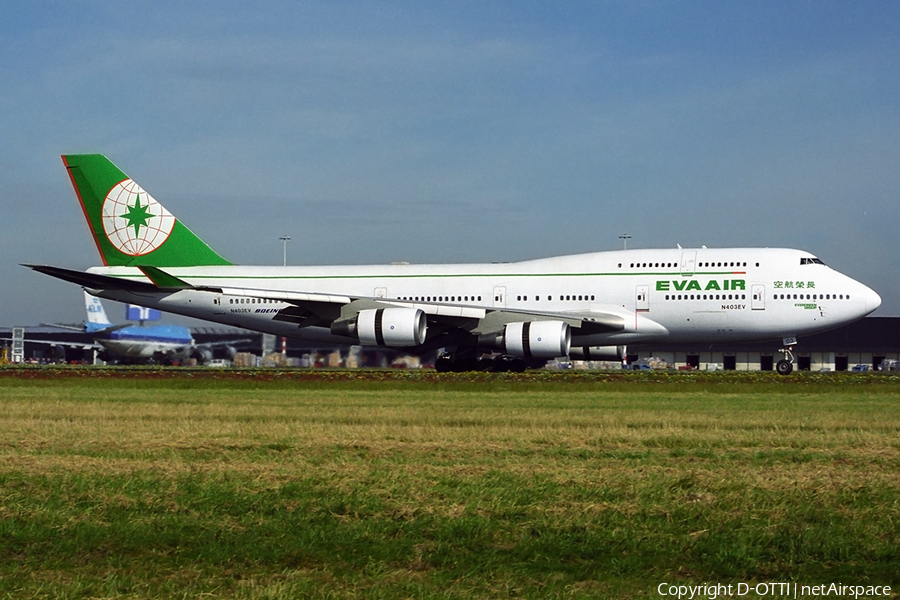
692, 284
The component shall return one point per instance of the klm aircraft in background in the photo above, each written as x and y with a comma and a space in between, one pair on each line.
163, 344
501, 316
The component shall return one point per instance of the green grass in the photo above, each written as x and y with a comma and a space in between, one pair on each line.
146, 484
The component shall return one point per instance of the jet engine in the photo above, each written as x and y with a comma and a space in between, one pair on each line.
395, 327
597, 353
537, 339
202, 355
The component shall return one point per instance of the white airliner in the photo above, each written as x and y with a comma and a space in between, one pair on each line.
522, 314
165, 344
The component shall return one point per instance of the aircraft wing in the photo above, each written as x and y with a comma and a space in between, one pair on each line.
217, 344
93, 280
70, 344
334, 310
78, 328
83, 328
448, 323
314, 309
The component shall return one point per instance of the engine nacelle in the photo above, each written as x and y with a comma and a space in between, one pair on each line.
395, 327
202, 355
537, 339
597, 352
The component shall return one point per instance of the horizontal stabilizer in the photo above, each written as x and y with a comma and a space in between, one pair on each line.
163, 280
93, 280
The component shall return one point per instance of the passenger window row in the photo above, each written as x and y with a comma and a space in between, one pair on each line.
251, 301
811, 297
651, 265
706, 296
670, 265
560, 298
723, 264
441, 298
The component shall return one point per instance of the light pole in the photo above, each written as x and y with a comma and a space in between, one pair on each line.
284, 240
625, 237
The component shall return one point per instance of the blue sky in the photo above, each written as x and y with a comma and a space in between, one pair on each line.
455, 132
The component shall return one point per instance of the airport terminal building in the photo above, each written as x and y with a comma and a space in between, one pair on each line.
873, 342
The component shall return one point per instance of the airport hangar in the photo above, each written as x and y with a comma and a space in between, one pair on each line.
870, 341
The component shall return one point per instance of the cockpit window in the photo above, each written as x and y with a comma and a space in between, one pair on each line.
811, 261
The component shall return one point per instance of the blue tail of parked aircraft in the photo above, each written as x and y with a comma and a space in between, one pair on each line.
96, 316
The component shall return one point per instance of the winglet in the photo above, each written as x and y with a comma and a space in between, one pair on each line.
161, 279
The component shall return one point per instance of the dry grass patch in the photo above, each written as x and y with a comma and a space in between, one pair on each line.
383, 491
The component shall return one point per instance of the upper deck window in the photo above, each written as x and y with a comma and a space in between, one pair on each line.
811, 261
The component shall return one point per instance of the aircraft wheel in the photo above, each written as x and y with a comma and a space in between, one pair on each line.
784, 367
471, 364
443, 364
517, 365
491, 365
504, 364
463, 365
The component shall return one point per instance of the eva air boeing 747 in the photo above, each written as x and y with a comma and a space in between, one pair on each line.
521, 314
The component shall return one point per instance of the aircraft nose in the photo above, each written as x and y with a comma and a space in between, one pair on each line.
873, 300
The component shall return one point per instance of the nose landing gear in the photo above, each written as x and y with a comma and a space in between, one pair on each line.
786, 365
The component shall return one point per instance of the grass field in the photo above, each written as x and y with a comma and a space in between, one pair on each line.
159, 485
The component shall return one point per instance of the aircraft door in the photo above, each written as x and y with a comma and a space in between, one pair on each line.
688, 262
380, 292
758, 296
499, 296
642, 298
218, 308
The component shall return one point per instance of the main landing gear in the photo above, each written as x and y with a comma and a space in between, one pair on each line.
786, 365
447, 363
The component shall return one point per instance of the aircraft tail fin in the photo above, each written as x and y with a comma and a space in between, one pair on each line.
129, 226
96, 315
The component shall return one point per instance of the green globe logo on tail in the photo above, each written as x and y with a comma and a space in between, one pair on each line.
132, 227
129, 227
